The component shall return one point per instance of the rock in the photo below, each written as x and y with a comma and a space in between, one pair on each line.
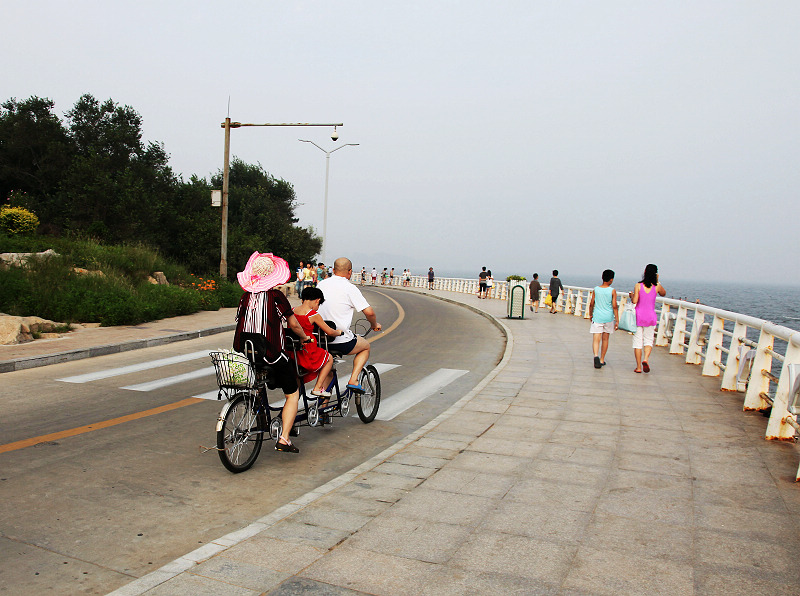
152, 280
17, 330
17, 259
81, 271
161, 278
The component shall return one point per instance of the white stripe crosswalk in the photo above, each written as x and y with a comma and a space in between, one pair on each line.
391, 406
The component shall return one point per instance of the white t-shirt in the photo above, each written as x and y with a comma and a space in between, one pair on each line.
342, 299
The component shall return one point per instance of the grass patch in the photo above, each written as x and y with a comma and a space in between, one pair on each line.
50, 288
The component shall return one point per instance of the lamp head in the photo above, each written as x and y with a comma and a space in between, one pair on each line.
334, 135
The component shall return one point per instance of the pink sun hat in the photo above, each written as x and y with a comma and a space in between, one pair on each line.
263, 272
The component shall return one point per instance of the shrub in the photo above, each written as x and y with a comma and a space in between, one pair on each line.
18, 220
515, 278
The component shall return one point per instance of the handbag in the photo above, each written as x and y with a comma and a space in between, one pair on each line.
627, 320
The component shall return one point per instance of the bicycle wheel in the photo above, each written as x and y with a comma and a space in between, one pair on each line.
368, 403
241, 433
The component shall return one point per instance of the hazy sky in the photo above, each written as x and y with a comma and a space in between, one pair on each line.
518, 135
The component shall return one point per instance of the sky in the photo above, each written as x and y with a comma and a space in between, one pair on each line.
523, 136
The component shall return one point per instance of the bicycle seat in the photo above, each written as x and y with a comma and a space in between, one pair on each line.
255, 349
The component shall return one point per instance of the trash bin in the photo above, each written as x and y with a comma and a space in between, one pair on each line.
517, 298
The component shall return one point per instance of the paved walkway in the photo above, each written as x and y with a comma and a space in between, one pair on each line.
550, 477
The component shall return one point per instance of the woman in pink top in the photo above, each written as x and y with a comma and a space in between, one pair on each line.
644, 297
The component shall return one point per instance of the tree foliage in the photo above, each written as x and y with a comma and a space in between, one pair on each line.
92, 175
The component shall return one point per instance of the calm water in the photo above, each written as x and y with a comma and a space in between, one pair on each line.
778, 304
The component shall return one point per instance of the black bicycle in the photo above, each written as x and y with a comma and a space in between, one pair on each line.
248, 415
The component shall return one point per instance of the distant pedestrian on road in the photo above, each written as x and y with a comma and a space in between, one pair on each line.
384, 276
391, 277
363, 276
555, 289
489, 283
300, 283
644, 297
374, 275
431, 276
604, 313
536, 290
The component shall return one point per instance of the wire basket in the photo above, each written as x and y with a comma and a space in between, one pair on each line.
233, 370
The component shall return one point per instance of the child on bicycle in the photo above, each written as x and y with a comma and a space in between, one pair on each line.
311, 356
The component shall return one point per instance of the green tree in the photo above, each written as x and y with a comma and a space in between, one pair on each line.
261, 216
35, 151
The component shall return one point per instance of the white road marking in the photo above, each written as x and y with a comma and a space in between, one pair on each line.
413, 394
124, 370
167, 381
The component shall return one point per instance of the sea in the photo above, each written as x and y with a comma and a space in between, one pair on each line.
777, 304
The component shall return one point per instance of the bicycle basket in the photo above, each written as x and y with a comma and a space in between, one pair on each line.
233, 370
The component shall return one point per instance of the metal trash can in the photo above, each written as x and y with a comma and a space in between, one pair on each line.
517, 298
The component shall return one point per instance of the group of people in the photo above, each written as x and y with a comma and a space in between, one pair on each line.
604, 314
263, 311
309, 275
386, 276
554, 291
485, 283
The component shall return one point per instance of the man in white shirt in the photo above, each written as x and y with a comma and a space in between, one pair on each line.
342, 299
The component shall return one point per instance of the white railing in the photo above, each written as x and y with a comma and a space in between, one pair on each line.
750, 355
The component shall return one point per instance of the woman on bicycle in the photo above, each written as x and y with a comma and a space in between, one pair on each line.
262, 311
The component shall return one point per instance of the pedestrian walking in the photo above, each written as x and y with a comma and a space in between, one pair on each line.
555, 290
536, 290
644, 297
431, 277
604, 314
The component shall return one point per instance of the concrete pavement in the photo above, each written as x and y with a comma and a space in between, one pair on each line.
549, 477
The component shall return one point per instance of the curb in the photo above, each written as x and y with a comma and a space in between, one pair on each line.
126, 346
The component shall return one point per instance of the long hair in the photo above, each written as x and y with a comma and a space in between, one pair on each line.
650, 276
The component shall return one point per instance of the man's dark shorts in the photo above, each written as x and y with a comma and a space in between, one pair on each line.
482, 286
344, 347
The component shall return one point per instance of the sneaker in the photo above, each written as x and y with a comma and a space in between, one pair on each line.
285, 448
321, 393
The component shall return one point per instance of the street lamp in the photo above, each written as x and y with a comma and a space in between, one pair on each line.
325, 204
228, 125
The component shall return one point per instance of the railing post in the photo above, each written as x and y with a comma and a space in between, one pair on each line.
714, 349
678, 331
694, 353
663, 325
731, 373
778, 428
758, 382
568, 302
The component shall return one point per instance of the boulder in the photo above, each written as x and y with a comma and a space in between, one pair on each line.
17, 259
17, 330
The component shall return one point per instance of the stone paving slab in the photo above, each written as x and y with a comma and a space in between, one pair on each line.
550, 477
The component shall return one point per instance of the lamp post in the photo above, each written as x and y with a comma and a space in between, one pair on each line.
325, 203
228, 125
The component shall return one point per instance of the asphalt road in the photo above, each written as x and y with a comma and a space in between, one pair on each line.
90, 512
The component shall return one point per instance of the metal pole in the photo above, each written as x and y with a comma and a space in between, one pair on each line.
223, 260
325, 209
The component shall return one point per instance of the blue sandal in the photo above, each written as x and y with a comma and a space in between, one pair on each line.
356, 388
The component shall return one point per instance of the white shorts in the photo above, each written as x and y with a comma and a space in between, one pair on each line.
602, 327
643, 337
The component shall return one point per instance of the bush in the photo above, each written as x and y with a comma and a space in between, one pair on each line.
515, 278
18, 221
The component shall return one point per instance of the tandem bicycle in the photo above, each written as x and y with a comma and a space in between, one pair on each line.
248, 414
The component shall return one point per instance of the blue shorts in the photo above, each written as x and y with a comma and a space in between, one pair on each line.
344, 347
